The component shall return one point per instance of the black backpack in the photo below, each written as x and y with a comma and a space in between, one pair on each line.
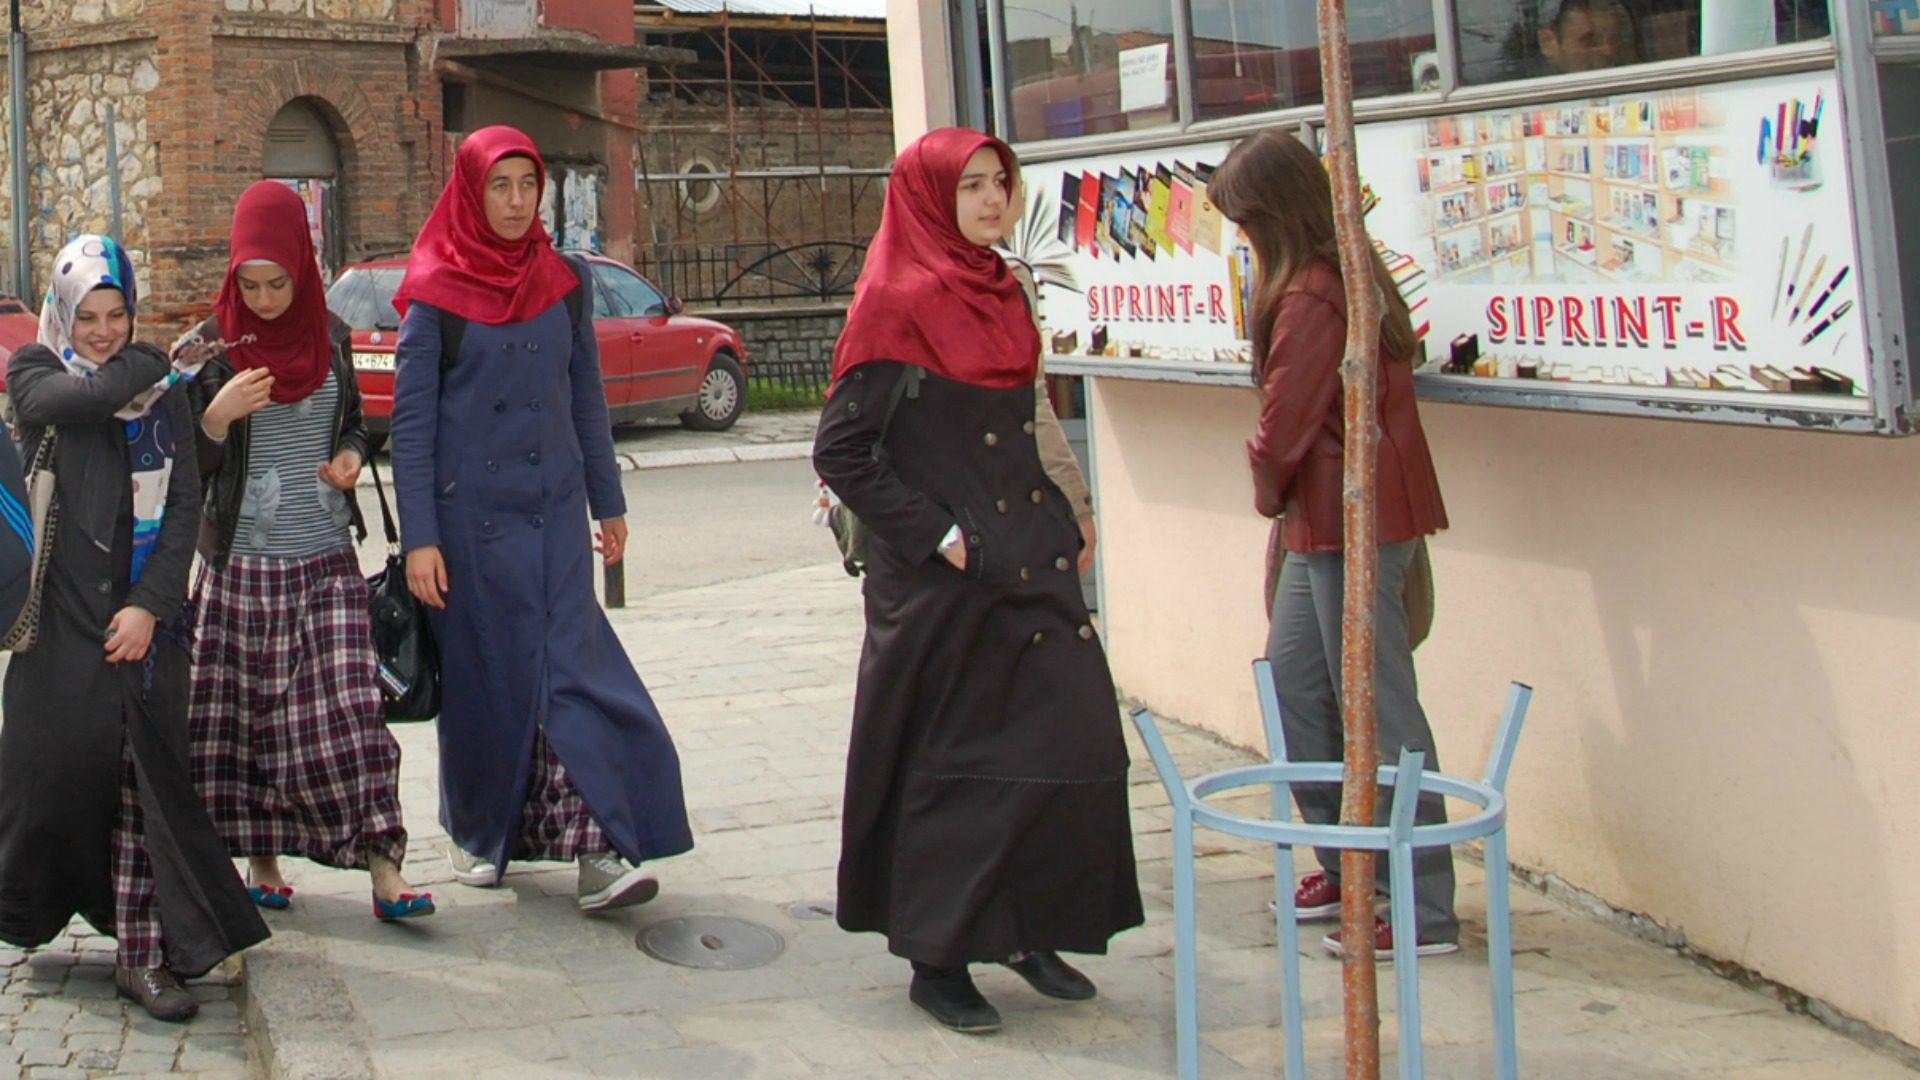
453, 328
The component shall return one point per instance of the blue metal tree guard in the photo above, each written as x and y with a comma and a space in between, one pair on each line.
1398, 838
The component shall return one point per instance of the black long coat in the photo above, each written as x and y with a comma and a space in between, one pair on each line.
66, 711
986, 801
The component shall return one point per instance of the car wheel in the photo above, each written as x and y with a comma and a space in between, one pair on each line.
723, 396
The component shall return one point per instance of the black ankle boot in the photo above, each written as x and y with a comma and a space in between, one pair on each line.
949, 996
1046, 972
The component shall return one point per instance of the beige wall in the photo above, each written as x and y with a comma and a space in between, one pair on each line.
1720, 624
920, 76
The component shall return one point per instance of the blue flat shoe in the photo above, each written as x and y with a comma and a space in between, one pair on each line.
272, 897
408, 906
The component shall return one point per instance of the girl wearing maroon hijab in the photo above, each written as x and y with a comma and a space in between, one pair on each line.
290, 746
550, 746
986, 801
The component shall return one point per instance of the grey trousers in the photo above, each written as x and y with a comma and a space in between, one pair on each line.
1303, 642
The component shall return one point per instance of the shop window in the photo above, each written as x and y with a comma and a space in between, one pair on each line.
1521, 39
1253, 56
1084, 69
1895, 16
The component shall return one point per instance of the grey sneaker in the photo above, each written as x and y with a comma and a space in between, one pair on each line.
469, 869
607, 882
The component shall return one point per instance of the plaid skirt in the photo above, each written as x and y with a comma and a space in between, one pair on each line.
290, 744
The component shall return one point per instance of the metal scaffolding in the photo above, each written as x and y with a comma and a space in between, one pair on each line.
762, 166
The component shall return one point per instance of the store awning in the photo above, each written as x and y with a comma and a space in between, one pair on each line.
567, 50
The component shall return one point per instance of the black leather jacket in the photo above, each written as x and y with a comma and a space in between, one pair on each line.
223, 465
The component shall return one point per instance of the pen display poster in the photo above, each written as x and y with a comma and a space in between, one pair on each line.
1698, 238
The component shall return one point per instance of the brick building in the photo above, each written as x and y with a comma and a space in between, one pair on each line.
347, 100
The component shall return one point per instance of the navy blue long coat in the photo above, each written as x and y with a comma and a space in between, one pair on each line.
498, 460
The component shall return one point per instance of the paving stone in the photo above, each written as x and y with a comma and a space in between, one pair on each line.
55, 1073
37, 1055
134, 1063
96, 1059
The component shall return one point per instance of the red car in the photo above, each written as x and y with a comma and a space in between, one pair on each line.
18, 326
656, 362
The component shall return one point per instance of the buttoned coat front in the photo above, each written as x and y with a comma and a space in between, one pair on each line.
498, 459
986, 799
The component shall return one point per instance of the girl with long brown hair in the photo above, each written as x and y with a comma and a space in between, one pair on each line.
1278, 192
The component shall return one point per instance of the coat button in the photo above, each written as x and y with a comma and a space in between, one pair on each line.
500, 405
487, 527
1086, 633
1000, 505
533, 458
991, 439
1027, 427
493, 466
536, 404
858, 374
853, 408
533, 346
1036, 496
539, 522
105, 586
1037, 635
1061, 563
506, 346
974, 539
1026, 574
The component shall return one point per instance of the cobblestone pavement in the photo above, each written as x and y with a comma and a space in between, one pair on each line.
755, 677
63, 1020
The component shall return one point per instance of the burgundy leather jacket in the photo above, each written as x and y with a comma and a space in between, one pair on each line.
1296, 450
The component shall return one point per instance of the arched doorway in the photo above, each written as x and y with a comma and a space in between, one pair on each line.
301, 153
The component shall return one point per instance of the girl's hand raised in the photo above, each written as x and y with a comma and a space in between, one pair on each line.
243, 395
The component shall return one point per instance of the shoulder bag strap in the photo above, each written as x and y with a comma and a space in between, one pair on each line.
386, 513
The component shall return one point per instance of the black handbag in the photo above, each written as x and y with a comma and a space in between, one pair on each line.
409, 674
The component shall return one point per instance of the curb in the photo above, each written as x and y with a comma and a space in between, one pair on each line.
305, 1028
671, 459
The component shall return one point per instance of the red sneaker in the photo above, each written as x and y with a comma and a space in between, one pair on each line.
1316, 898
1383, 943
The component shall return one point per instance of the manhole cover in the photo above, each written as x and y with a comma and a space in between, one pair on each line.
714, 942
811, 910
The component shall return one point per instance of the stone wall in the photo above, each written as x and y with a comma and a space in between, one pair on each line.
317, 9
39, 16
786, 345
68, 94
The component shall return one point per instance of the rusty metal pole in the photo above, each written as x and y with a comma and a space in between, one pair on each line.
1358, 372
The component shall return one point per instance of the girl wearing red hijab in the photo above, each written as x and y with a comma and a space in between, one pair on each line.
550, 746
986, 801
290, 746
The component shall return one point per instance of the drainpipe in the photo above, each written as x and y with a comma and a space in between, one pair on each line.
17, 115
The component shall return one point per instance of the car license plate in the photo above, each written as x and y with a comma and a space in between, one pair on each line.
373, 361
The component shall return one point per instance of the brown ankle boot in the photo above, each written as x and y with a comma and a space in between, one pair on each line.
157, 992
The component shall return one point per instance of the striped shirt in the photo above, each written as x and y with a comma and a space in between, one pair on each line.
288, 512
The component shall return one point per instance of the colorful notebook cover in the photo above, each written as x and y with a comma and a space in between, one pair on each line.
1160, 198
1088, 212
1180, 215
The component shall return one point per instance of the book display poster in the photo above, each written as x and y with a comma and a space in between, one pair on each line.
1692, 238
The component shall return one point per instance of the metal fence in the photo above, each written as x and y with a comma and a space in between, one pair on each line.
719, 275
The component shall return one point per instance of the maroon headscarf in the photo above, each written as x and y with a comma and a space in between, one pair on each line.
459, 264
929, 296
270, 222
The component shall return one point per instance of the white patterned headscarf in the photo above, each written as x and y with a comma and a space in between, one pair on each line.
89, 262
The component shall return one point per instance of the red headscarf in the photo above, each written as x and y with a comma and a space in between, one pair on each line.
929, 296
459, 264
270, 222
